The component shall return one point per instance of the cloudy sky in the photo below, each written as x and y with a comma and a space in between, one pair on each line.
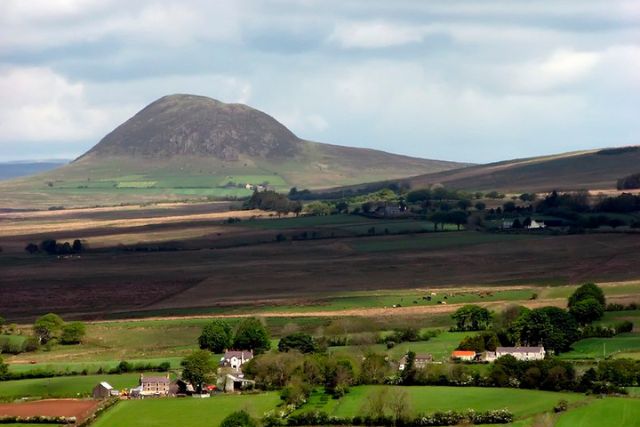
462, 80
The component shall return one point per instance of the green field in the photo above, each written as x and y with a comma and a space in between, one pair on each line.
598, 348
155, 341
75, 386
440, 346
402, 298
89, 366
185, 412
14, 343
607, 412
427, 399
354, 224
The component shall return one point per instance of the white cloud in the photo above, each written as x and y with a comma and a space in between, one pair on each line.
37, 24
40, 105
564, 67
371, 35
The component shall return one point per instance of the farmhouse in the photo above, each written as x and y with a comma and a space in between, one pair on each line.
236, 358
104, 390
154, 386
521, 353
488, 356
420, 361
464, 355
535, 225
390, 211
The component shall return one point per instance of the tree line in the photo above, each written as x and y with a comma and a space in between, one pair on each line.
53, 247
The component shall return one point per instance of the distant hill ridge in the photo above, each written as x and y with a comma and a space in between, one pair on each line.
598, 169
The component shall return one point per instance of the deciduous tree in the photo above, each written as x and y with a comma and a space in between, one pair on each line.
216, 336
198, 369
252, 335
48, 327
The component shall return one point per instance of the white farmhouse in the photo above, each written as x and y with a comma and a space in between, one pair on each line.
521, 353
536, 225
236, 358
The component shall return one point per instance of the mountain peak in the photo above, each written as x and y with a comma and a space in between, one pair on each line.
192, 125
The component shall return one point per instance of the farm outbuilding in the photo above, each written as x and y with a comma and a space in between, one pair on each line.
103, 390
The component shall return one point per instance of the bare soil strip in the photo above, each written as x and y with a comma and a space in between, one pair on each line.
81, 409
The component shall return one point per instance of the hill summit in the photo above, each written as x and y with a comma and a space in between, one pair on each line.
194, 125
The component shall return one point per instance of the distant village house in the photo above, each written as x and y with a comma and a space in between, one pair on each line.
420, 361
390, 211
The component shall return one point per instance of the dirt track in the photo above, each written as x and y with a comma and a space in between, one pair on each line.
376, 311
355, 312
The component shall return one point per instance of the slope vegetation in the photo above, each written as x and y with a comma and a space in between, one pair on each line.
593, 170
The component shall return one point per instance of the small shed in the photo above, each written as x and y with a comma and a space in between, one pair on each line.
233, 383
102, 390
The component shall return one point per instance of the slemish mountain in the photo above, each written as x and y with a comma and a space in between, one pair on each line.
188, 146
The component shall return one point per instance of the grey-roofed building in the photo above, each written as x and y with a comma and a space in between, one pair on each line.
236, 358
155, 386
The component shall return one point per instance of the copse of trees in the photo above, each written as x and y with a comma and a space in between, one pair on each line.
53, 247
336, 373
72, 333
269, 200
239, 419
51, 328
624, 203
300, 341
485, 341
629, 182
441, 218
552, 374
570, 205
587, 311
471, 318
252, 335
587, 303
48, 327
551, 327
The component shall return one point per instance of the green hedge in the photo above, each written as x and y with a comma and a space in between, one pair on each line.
447, 418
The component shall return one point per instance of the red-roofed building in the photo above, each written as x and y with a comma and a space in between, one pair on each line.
464, 355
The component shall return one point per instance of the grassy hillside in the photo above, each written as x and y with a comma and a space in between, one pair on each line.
116, 180
593, 170
580, 170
